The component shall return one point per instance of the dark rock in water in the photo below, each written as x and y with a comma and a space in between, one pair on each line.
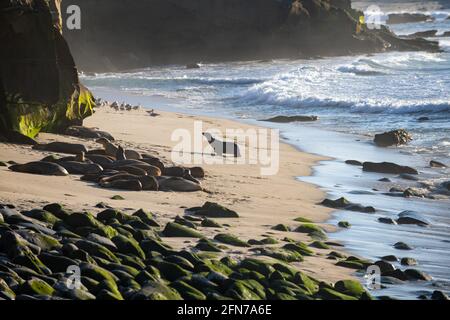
343, 203
344, 224
402, 246
437, 164
392, 138
396, 274
287, 119
387, 167
423, 34
412, 217
423, 119
40, 167
409, 177
397, 18
414, 274
390, 258
193, 66
89, 133
213, 210
408, 261
439, 295
354, 162
385, 180
385, 267
62, 147
386, 220
414, 192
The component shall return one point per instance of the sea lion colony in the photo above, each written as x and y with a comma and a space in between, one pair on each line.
113, 167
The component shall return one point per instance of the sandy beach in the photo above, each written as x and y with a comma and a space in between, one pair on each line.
262, 202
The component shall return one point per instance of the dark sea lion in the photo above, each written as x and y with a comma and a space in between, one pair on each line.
188, 176
197, 172
120, 154
148, 183
102, 160
63, 147
74, 167
97, 152
174, 172
138, 164
133, 170
154, 162
40, 167
96, 177
178, 184
132, 154
132, 185
89, 133
111, 150
129, 162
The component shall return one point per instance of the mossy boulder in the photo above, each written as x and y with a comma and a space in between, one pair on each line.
5, 291
312, 230
156, 290
282, 255
36, 286
304, 220
57, 210
213, 210
351, 288
171, 271
210, 223
330, 294
187, 292
260, 266
128, 246
242, 290
146, 217
97, 273
319, 245
306, 282
207, 245
173, 229
42, 215
231, 240
299, 247
98, 250
281, 227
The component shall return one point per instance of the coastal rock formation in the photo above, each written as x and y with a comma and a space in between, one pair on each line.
39, 86
388, 167
117, 35
396, 18
392, 138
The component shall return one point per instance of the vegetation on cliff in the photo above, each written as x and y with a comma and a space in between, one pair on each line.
39, 86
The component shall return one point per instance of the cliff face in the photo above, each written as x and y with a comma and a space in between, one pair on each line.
124, 34
39, 86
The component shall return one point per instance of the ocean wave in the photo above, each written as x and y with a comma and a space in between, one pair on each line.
359, 70
270, 96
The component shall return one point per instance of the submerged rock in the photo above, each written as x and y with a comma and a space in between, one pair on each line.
412, 217
387, 167
402, 246
392, 138
287, 119
343, 203
437, 164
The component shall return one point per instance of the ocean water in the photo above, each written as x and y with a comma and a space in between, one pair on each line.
355, 97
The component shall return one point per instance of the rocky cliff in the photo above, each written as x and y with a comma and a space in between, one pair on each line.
124, 34
39, 86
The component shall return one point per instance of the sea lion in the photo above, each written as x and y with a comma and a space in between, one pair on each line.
132, 185
222, 147
188, 176
132, 170
197, 172
40, 167
120, 154
88, 133
153, 161
100, 152
96, 177
104, 161
74, 167
151, 170
178, 184
62, 147
148, 183
111, 150
174, 172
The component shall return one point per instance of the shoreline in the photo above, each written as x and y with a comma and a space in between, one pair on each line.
257, 205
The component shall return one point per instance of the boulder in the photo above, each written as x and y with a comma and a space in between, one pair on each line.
402, 246
287, 119
213, 210
388, 167
412, 217
392, 138
173, 229
408, 261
